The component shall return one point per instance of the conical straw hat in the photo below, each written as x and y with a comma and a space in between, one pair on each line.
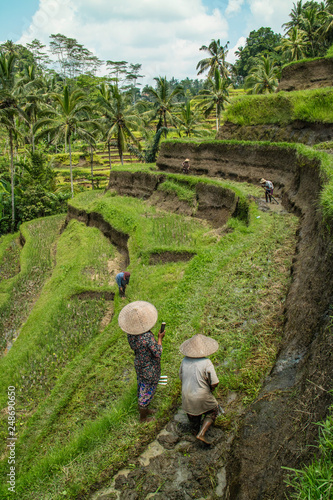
199, 346
137, 317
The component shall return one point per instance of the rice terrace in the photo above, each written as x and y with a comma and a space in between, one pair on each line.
92, 184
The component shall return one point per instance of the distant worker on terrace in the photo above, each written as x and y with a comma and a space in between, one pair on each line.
186, 166
122, 280
199, 379
136, 319
268, 186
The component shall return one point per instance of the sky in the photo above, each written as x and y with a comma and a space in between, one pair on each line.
163, 35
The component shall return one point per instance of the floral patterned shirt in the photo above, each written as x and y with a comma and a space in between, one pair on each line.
147, 357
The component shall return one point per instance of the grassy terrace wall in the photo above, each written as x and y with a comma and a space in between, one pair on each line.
73, 371
302, 378
307, 74
302, 116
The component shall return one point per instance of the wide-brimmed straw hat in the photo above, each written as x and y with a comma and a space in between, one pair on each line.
137, 317
262, 181
199, 346
187, 159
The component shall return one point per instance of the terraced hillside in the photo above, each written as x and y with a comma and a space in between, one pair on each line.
70, 363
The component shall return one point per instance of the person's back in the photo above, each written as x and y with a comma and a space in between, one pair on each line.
197, 376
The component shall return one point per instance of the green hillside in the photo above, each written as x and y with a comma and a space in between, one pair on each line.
73, 370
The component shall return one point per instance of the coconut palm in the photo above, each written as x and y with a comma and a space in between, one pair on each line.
32, 91
216, 59
191, 122
294, 47
118, 119
215, 96
164, 99
295, 17
263, 78
9, 111
71, 116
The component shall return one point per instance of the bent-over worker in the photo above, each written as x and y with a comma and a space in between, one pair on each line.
268, 186
199, 379
122, 280
136, 319
186, 166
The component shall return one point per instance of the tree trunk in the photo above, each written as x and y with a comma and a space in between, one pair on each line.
92, 166
12, 177
109, 151
70, 165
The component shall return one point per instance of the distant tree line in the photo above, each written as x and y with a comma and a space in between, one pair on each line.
53, 100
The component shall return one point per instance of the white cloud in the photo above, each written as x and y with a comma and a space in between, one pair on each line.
233, 7
164, 36
231, 53
272, 13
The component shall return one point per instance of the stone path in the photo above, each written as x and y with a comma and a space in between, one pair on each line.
174, 466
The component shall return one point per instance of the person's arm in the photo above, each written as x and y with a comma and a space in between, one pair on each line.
153, 346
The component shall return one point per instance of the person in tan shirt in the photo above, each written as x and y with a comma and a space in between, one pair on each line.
199, 379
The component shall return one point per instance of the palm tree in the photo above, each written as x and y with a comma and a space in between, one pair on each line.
9, 111
118, 118
294, 46
191, 121
30, 88
215, 96
217, 57
70, 116
263, 78
164, 98
296, 17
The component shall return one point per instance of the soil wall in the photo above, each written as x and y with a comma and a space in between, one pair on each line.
213, 203
297, 131
307, 75
279, 426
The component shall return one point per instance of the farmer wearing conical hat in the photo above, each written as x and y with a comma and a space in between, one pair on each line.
199, 379
186, 166
136, 319
268, 186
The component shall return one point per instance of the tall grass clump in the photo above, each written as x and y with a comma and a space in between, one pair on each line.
282, 108
315, 481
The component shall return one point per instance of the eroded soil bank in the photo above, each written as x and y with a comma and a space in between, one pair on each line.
297, 131
307, 75
212, 203
279, 427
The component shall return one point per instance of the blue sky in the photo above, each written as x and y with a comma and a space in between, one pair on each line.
164, 36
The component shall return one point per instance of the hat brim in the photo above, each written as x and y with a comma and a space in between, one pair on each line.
199, 346
137, 317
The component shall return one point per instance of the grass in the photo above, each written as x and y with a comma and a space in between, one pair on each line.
77, 409
281, 108
17, 292
315, 481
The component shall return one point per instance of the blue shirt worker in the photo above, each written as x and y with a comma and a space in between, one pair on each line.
122, 280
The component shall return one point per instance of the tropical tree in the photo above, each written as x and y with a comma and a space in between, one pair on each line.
31, 89
214, 97
163, 98
70, 117
118, 119
293, 46
216, 59
295, 17
263, 78
191, 122
259, 42
9, 111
